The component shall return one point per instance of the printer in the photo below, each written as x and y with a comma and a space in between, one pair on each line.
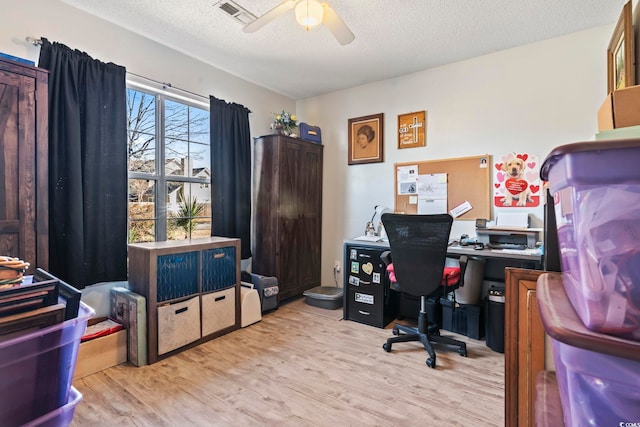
511, 231
497, 238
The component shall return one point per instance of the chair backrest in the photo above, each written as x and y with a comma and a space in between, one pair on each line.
418, 250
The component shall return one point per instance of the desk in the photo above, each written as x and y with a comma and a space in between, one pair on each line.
496, 261
493, 253
461, 250
375, 304
496, 257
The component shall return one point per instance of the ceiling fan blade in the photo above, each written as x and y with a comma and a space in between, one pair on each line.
269, 16
338, 28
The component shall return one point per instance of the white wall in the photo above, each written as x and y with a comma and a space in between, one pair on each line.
102, 40
527, 99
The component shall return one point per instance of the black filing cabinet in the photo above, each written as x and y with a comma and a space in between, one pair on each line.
368, 297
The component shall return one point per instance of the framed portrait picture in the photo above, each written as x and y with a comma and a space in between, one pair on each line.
620, 53
366, 139
412, 129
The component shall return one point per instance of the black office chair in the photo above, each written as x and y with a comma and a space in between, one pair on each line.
418, 246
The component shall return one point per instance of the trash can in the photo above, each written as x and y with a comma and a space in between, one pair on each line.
470, 292
495, 320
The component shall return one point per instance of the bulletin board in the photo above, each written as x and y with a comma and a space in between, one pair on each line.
468, 179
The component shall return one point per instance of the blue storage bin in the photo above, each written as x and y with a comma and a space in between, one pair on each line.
218, 269
177, 275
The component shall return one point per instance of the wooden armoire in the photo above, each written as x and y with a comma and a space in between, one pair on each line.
24, 224
287, 214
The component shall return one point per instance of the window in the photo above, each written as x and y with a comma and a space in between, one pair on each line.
169, 168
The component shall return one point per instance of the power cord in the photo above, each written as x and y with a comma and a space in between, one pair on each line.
335, 275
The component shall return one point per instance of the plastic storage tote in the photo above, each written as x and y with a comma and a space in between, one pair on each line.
598, 374
36, 369
465, 319
596, 190
60, 417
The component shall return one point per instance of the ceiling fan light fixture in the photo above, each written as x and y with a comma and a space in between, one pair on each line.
309, 13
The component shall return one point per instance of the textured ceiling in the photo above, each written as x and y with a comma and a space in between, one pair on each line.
393, 37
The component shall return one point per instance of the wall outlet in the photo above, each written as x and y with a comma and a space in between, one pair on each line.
336, 266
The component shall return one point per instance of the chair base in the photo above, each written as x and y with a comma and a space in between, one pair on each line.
426, 335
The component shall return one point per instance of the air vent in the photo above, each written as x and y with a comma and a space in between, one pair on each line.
229, 8
236, 11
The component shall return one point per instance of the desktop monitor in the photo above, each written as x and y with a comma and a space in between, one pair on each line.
551, 256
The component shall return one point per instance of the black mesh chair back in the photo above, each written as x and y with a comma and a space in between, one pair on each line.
418, 246
418, 249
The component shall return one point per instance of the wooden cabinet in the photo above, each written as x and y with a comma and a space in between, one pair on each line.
287, 225
192, 289
24, 223
524, 345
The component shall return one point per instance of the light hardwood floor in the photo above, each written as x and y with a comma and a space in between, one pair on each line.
301, 366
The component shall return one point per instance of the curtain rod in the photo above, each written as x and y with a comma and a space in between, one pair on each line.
38, 42
168, 85
34, 41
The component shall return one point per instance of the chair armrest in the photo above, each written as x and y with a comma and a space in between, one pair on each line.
386, 257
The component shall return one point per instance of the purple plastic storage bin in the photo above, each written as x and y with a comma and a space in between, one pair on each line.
596, 190
598, 374
596, 389
60, 417
36, 369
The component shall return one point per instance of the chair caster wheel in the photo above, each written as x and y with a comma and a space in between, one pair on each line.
463, 352
431, 363
395, 331
387, 347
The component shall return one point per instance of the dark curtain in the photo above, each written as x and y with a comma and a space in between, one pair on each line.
231, 172
87, 166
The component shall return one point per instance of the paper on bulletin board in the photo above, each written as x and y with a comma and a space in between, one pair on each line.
407, 180
432, 193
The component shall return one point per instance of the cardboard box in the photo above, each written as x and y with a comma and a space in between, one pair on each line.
101, 353
620, 109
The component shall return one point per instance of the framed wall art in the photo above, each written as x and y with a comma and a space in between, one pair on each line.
620, 53
412, 129
366, 139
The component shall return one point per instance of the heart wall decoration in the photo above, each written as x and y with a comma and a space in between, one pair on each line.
516, 180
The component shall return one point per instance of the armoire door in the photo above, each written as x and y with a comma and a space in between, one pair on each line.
310, 221
288, 221
300, 217
23, 164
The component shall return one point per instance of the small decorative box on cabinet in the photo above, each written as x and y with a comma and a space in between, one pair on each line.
192, 288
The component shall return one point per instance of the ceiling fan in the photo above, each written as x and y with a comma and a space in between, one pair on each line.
309, 13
